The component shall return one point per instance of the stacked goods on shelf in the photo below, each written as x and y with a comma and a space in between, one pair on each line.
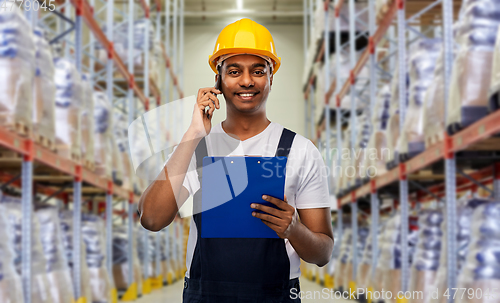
389, 264
494, 94
471, 75
69, 95
108, 158
481, 269
121, 137
381, 8
66, 220
120, 45
116, 156
465, 209
102, 134
176, 248
150, 250
93, 234
10, 279
427, 252
345, 250
170, 269
364, 267
17, 62
422, 62
360, 26
348, 274
182, 238
360, 152
377, 146
163, 255
319, 90
58, 272
333, 162
376, 282
87, 122
433, 108
393, 131
120, 260
158, 65
330, 267
353, 158
364, 272
344, 161
186, 225
44, 93
345, 69
179, 261
40, 284
310, 57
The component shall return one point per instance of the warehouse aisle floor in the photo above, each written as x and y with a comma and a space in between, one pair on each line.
173, 293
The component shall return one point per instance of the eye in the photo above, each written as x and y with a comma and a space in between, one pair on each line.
232, 72
260, 72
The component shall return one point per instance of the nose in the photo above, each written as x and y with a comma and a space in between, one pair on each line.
246, 80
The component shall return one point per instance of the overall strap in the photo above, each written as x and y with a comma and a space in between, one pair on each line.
200, 152
285, 143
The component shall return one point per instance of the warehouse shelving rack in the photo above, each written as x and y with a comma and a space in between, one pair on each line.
474, 137
66, 24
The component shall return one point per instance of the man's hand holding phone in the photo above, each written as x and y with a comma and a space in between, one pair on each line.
201, 121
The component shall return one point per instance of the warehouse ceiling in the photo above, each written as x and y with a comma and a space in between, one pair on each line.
200, 12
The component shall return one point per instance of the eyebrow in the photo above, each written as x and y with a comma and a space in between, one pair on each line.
253, 65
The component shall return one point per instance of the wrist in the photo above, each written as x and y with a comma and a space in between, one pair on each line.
192, 134
294, 231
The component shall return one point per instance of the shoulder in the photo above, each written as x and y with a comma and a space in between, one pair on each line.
302, 148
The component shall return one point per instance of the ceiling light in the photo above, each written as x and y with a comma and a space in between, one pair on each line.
239, 5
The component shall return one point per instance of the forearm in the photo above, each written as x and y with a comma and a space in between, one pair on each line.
312, 247
161, 200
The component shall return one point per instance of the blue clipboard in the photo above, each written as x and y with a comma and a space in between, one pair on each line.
230, 185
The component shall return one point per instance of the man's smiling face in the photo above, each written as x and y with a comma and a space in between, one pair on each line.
246, 82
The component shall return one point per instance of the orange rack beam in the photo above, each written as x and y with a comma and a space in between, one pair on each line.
27, 147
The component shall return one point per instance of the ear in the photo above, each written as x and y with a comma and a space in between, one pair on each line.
271, 80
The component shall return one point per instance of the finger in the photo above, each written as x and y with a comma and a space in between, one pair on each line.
212, 90
270, 210
274, 227
268, 218
203, 105
214, 98
207, 101
278, 202
211, 103
200, 93
217, 102
215, 91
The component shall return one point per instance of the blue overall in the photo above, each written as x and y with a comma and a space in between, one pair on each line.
239, 270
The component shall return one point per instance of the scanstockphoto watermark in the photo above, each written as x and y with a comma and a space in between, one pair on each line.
330, 294
353, 163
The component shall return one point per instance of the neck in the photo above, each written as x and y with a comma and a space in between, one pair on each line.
245, 126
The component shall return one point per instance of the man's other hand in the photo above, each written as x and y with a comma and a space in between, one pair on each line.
282, 220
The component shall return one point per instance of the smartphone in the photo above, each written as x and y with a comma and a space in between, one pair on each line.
217, 86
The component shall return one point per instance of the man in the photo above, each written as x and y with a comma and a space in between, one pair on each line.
245, 270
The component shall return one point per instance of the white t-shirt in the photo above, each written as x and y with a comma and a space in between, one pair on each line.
305, 182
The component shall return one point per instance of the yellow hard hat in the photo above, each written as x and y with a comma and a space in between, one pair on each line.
245, 37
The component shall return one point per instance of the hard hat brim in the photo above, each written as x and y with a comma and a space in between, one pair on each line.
213, 58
